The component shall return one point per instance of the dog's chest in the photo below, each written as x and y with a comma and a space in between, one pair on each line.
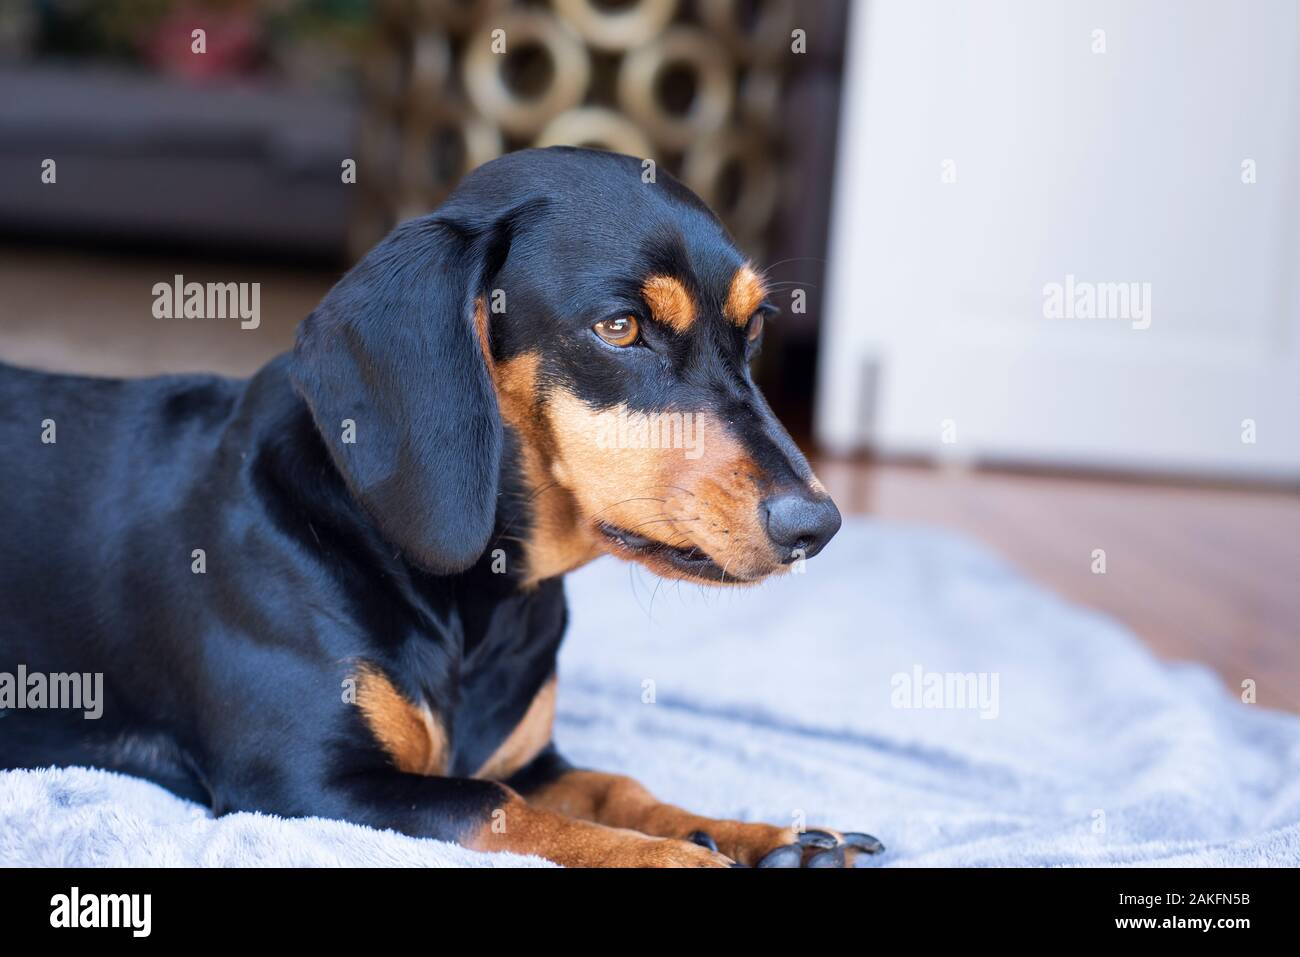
505, 708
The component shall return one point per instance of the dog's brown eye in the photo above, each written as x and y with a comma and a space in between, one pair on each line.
622, 331
755, 327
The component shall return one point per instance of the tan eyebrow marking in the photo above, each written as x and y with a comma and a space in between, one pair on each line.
669, 302
746, 295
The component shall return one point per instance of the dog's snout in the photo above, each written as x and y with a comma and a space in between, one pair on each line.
799, 524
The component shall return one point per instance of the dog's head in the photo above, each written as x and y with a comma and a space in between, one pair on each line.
599, 324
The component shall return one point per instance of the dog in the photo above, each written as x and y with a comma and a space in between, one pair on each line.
336, 588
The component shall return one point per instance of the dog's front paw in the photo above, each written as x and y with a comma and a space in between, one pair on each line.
766, 845
668, 852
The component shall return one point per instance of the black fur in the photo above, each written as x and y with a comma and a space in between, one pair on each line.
228, 686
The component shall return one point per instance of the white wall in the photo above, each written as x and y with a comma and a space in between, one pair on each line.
1113, 167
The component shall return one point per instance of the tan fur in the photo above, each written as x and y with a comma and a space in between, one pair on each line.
575, 480
746, 295
618, 801
411, 735
527, 739
710, 502
669, 302
522, 828
481, 330
557, 541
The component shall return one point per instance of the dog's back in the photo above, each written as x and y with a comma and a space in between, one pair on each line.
59, 434
85, 460
92, 470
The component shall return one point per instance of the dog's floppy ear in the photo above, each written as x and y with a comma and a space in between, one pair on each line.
395, 348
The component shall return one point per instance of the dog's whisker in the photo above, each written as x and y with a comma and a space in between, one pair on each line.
625, 502
651, 610
523, 503
657, 521
684, 491
791, 284
795, 259
685, 540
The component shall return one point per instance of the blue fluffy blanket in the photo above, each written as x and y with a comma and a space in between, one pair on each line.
906, 683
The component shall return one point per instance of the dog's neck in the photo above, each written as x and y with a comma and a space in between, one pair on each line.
537, 534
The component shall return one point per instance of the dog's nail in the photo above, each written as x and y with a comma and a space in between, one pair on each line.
788, 856
817, 839
831, 858
703, 839
864, 842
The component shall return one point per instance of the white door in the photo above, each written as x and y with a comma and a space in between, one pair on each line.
1068, 233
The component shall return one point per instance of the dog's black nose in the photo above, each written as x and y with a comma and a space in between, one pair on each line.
800, 525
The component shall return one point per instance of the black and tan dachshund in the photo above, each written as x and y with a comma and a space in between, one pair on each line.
384, 517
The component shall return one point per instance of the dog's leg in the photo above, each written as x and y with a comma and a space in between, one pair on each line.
551, 783
486, 816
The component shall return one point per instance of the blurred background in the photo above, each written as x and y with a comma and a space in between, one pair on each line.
920, 179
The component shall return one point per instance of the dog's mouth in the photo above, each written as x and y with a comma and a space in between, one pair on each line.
691, 560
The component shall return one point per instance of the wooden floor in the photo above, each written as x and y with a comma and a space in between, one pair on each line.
74, 312
1206, 574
